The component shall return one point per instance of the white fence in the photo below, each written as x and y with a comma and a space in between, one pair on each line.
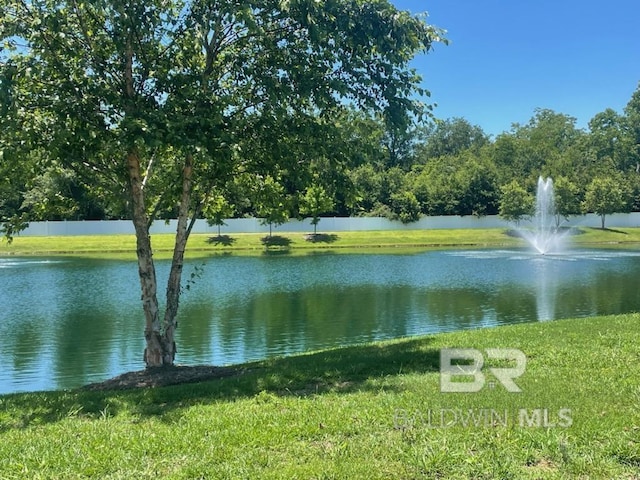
329, 224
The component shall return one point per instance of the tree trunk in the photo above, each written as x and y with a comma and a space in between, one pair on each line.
146, 268
153, 352
175, 276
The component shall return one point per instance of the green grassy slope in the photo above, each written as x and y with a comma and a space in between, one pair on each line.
369, 411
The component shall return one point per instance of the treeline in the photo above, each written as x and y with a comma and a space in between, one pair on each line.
357, 166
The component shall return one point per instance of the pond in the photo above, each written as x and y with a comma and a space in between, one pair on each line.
66, 322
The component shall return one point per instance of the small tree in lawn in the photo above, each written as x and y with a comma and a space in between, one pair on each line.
605, 196
271, 202
315, 202
515, 203
216, 210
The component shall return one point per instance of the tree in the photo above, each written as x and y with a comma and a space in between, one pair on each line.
451, 137
608, 140
436, 188
58, 194
538, 147
477, 183
216, 210
367, 181
462, 184
270, 202
405, 207
516, 203
632, 127
399, 145
155, 98
605, 196
315, 202
567, 199
13, 184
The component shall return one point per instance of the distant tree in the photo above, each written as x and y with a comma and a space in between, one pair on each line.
516, 203
315, 202
334, 176
634, 193
549, 131
399, 145
608, 141
57, 193
436, 188
605, 196
216, 210
462, 184
270, 202
567, 199
632, 126
393, 181
450, 137
505, 152
476, 180
405, 207
367, 182
536, 147
50, 195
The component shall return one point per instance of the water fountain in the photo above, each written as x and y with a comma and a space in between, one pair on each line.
545, 237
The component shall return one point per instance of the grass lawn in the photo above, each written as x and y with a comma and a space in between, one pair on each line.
295, 243
372, 411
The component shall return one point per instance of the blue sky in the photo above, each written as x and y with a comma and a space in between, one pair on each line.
508, 57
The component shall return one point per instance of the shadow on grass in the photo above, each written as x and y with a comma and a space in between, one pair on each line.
224, 240
276, 242
321, 237
612, 230
570, 231
341, 370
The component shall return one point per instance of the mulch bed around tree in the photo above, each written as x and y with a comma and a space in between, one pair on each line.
164, 376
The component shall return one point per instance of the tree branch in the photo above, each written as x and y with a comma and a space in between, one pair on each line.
147, 172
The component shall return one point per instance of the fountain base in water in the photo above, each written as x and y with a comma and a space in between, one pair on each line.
552, 242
